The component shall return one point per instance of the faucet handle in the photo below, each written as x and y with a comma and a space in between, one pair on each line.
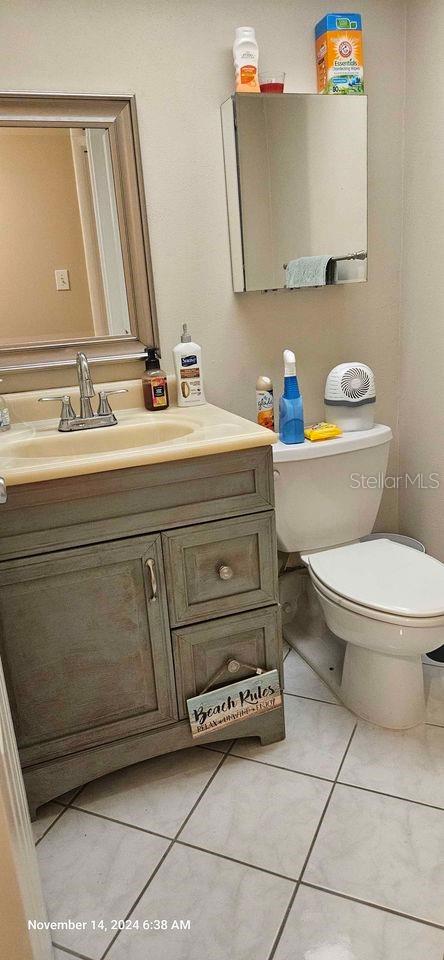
67, 412
104, 408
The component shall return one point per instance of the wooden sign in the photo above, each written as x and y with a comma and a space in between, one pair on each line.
238, 701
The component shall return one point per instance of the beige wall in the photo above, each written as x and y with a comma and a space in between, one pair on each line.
422, 400
41, 232
175, 55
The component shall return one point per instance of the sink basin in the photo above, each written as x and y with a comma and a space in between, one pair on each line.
100, 440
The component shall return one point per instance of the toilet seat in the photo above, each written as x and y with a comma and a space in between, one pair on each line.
383, 580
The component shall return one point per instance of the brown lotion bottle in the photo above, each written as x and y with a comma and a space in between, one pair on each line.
154, 383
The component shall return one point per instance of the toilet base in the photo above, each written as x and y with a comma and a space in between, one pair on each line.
385, 690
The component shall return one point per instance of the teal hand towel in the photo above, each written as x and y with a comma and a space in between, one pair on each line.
306, 272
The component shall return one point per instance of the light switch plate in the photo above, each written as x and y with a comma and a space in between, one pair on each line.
62, 279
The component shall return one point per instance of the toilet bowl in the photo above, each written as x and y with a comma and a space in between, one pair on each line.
383, 598
387, 602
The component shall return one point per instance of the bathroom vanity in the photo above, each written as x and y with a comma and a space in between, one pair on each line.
137, 558
124, 592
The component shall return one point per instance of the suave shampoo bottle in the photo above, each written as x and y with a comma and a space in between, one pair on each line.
291, 410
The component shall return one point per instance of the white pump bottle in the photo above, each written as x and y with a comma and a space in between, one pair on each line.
187, 357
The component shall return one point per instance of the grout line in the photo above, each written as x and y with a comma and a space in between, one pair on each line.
302, 696
70, 953
393, 796
275, 766
369, 903
310, 849
243, 863
203, 792
144, 888
65, 807
122, 823
283, 922
74, 796
51, 825
327, 803
429, 723
163, 858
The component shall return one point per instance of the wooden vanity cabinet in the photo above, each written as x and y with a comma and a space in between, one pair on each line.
117, 603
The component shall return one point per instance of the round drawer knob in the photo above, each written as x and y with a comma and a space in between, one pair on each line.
233, 666
225, 572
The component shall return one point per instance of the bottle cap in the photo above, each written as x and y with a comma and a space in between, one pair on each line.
186, 337
264, 383
152, 359
245, 33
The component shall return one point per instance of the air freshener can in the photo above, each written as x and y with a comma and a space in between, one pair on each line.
265, 402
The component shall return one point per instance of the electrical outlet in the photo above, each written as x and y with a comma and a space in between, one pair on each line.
62, 279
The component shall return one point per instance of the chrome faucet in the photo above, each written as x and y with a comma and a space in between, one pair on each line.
86, 386
87, 420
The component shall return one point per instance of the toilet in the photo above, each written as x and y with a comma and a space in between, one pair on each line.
383, 598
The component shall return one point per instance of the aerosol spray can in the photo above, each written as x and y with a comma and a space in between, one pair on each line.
264, 402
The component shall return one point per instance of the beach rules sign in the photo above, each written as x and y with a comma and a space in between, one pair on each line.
247, 698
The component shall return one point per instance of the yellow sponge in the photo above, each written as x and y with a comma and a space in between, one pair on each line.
322, 431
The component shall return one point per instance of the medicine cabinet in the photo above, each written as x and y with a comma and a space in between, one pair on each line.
296, 178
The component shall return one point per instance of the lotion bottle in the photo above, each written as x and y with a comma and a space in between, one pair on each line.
187, 357
291, 411
246, 60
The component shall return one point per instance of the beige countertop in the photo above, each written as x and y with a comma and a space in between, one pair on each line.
33, 450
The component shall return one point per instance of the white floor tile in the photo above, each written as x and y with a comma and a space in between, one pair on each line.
45, 817
407, 763
317, 735
386, 851
302, 680
260, 815
92, 869
321, 926
235, 911
156, 794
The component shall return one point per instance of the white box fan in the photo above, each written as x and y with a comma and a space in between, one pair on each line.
350, 396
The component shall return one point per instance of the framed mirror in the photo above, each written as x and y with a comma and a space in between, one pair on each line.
296, 177
75, 266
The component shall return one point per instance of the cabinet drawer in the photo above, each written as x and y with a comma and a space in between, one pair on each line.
222, 567
202, 650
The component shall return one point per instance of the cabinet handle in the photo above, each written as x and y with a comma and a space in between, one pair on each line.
225, 572
152, 572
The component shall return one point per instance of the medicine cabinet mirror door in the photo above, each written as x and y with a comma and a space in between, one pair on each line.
74, 259
296, 176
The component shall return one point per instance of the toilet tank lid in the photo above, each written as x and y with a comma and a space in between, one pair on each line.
354, 440
383, 575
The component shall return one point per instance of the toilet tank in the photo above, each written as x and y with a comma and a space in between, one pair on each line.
328, 492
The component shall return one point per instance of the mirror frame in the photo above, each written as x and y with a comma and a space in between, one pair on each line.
118, 115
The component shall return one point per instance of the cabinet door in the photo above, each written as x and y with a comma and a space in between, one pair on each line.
84, 639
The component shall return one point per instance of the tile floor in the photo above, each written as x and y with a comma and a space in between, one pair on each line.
327, 846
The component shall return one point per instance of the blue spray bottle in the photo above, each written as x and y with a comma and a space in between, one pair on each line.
291, 410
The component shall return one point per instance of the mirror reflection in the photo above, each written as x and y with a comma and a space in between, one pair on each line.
302, 184
61, 265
